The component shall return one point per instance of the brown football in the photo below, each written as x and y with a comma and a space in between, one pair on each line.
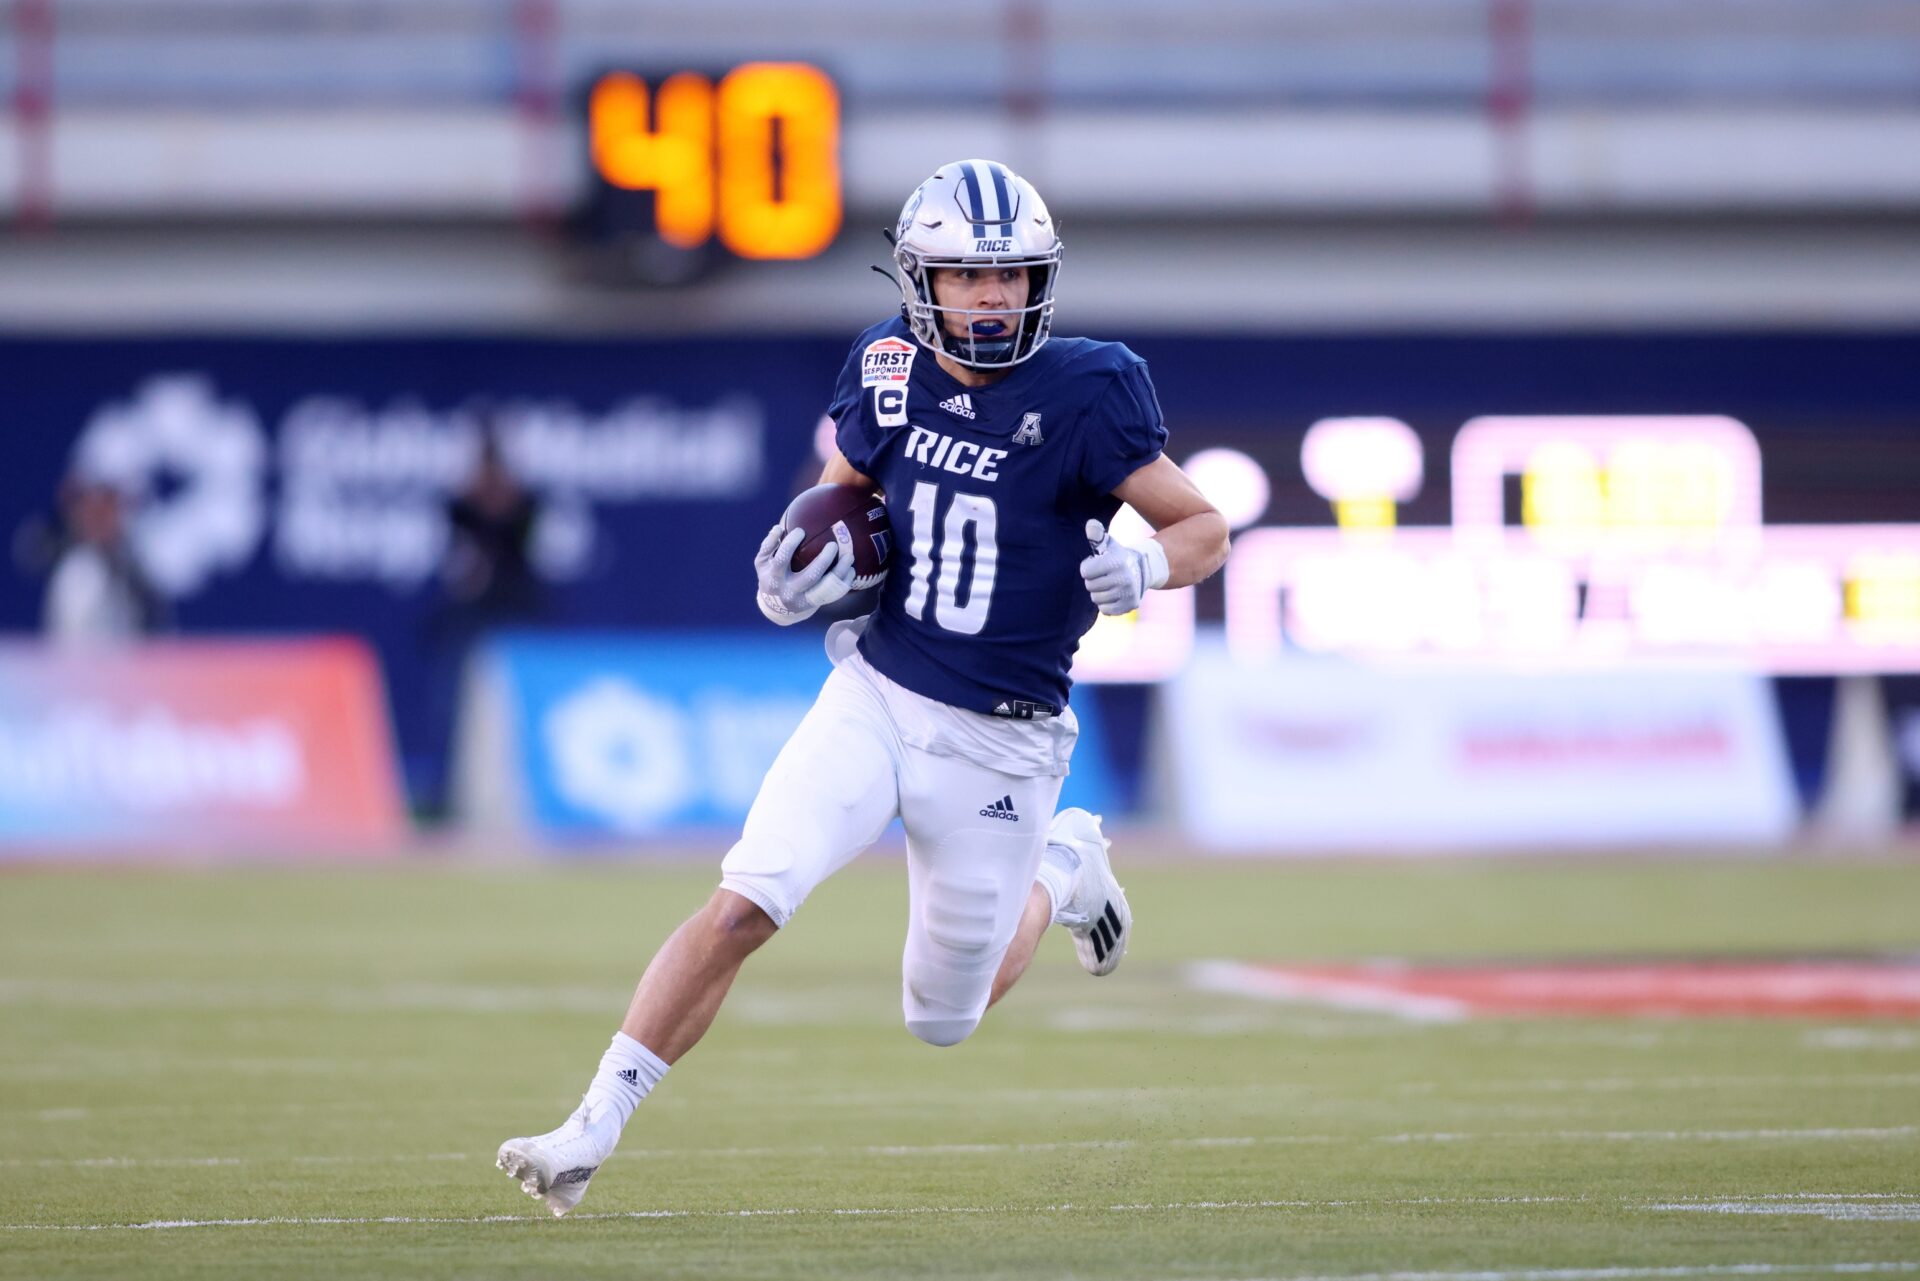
817, 511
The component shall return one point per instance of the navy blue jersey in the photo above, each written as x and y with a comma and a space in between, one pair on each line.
989, 490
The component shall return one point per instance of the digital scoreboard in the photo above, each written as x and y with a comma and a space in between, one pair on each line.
690, 167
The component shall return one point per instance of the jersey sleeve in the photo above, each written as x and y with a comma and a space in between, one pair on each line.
1124, 432
851, 432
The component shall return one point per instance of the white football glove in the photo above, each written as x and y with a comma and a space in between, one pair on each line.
788, 595
1118, 576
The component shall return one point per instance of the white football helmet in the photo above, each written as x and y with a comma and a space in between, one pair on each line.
976, 213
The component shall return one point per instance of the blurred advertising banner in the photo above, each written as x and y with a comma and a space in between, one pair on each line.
322, 486
1571, 500
585, 736
259, 745
1635, 539
1319, 754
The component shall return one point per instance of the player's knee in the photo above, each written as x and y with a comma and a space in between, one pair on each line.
760, 886
737, 922
941, 1031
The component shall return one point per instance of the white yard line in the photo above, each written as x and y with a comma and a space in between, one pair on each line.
466, 998
1365, 995
1666, 1136
1237, 979
905, 1099
1896, 1132
65, 1067
297, 1107
1822, 1134
1170, 1207
153, 1225
1633, 1084
1833, 1210
1863, 1038
1884, 1133
175, 1162
883, 1212
1622, 1274
1763, 1203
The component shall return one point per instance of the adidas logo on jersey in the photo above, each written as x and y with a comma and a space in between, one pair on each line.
1002, 808
961, 405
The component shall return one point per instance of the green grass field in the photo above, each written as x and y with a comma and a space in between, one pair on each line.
305, 1072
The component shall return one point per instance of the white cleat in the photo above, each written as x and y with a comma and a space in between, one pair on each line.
1096, 911
555, 1167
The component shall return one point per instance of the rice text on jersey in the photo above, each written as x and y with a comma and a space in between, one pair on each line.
961, 457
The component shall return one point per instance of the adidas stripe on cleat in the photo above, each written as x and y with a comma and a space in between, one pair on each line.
1106, 934
1096, 911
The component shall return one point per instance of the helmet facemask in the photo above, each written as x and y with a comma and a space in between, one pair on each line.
1028, 326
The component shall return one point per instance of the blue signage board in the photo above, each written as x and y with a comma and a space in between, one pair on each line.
643, 736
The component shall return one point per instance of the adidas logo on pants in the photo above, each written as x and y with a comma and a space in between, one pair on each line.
1002, 808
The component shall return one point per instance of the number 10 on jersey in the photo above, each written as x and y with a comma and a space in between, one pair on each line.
967, 549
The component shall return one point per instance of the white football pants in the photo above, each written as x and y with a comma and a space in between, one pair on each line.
974, 840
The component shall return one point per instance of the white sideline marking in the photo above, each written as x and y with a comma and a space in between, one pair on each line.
1277, 1140
1629, 1084
1765, 1203
1615, 1136
1236, 979
1622, 1274
1894, 1132
163, 1162
295, 1107
66, 1067
464, 998
1657, 1136
154, 1225
1836, 1211
535, 1218
1862, 1038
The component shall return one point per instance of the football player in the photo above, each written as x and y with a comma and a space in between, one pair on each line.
1003, 454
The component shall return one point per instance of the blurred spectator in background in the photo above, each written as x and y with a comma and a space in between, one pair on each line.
97, 593
487, 582
488, 571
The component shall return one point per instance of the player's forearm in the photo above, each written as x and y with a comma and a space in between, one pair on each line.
1195, 547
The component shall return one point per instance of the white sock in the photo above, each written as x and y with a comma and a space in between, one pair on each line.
1058, 866
628, 1072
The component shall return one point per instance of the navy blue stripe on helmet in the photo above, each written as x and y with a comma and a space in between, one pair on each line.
1004, 190
974, 201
